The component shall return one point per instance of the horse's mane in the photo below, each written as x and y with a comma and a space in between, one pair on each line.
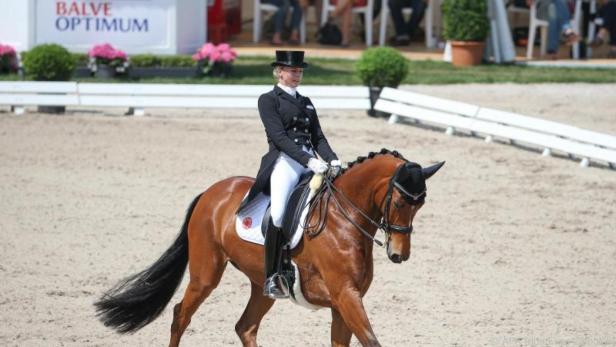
371, 155
322, 203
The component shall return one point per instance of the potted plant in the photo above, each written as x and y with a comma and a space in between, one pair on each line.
106, 61
215, 60
466, 25
378, 68
8, 59
49, 62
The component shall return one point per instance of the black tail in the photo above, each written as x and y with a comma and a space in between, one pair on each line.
139, 299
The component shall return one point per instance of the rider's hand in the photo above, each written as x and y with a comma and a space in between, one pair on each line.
335, 166
317, 166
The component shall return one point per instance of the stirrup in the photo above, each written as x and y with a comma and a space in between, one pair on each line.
271, 288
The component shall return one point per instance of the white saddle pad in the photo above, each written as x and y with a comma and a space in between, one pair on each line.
248, 222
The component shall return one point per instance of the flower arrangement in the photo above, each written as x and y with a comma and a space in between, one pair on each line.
215, 59
8, 59
105, 54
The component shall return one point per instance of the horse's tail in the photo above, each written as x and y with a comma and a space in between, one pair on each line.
139, 299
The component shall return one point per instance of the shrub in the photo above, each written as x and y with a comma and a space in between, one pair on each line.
149, 60
80, 59
8, 59
465, 20
382, 67
49, 62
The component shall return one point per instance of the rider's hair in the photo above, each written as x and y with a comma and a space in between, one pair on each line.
276, 72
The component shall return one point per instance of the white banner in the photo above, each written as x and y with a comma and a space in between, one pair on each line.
132, 25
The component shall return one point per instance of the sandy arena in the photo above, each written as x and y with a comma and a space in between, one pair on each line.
511, 248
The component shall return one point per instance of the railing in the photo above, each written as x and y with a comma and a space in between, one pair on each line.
457, 116
140, 96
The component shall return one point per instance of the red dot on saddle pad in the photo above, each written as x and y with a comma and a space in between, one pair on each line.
247, 222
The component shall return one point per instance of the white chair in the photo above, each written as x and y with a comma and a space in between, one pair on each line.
366, 11
532, 31
406, 11
257, 23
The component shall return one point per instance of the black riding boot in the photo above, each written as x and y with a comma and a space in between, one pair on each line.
273, 249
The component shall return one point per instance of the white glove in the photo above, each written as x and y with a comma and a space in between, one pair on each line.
335, 168
317, 166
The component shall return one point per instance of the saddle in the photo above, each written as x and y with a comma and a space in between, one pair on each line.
296, 203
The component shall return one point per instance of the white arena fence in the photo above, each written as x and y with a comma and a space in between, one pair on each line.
458, 116
452, 115
140, 96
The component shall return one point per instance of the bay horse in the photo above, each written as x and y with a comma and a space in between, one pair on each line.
380, 191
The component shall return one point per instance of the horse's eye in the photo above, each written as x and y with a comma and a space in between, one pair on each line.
397, 204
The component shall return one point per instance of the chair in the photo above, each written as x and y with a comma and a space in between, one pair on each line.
366, 11
257, 23
428, 19
534, 23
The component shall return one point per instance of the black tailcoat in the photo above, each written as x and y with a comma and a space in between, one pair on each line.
290, 123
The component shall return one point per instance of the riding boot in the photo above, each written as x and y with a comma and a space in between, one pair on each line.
273, 249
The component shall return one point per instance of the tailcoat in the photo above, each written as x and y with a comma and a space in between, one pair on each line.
290, 123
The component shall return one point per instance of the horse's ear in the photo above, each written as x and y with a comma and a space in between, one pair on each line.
431, 170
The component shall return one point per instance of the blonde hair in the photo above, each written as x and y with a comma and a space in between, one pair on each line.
276, 72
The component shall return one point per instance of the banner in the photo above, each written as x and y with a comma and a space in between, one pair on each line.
126, 24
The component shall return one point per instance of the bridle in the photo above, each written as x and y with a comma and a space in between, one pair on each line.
384, 224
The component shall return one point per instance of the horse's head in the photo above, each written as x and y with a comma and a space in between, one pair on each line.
405, 195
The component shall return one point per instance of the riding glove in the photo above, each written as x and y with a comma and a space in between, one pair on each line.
335, 168
317, 166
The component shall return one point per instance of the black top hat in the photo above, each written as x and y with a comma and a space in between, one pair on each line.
290, 58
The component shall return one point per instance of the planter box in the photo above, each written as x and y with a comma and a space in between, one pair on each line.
174, 72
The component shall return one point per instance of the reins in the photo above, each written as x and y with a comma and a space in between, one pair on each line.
328, 190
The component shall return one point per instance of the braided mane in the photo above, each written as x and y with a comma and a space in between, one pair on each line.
371, 155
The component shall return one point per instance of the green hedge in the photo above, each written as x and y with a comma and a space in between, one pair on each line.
382, 67
49, 62
150, 60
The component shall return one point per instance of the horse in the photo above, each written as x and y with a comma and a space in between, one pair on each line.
380, 191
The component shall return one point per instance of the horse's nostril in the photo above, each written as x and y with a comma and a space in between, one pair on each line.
395, 258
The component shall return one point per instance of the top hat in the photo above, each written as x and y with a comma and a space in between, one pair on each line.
290, 58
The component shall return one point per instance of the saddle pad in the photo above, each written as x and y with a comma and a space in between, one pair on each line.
248, 222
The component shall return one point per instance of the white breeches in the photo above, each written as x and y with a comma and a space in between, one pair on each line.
284, 178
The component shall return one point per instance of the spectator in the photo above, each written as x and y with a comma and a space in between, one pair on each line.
405, 30
279, 20
318, 7
344, 13
606, 20
556, 12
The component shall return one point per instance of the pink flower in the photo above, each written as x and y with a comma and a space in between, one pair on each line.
227, 56
206, 50
215, 53
215, 56
106, 51
223, 47
7, 50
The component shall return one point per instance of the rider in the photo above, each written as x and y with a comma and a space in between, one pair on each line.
294, 135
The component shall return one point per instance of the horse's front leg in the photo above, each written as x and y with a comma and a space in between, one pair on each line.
349, 304
341, 334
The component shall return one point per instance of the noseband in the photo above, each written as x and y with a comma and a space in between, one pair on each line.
384, 224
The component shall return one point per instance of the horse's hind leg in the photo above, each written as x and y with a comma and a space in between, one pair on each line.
248, 325
206, 267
